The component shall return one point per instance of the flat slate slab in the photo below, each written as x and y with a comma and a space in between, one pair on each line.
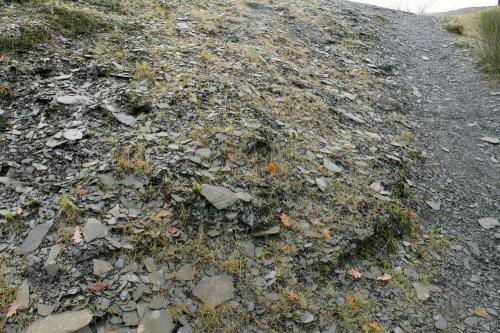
218, 196
35, 238
158, 321
65, 322
214, 290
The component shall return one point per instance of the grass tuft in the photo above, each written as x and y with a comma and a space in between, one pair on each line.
455, 28
488, 23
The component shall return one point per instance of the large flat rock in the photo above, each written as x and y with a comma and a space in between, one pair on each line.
66, 322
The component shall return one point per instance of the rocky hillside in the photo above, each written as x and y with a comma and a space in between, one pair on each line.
195, 166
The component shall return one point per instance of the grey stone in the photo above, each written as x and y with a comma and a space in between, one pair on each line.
73, 134
39, 167
23, 296
248, 248
441, 324
101, 267
130, 318
35, 238
218, 196
185, 273
51, 267
306, 318
322, 184
422, 291
331, 329
93, 229
214, 290
125, 119
72, 99
490, 139
433, 205
158, 321
65, 322
203, 153
44, 310
474, 247
150, 264
332, 166
267, 232
488, 222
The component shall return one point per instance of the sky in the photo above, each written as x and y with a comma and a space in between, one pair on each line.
432, 6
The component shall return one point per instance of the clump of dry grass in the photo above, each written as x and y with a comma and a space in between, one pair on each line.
488, 23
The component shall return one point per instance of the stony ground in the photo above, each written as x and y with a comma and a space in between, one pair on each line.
212, 166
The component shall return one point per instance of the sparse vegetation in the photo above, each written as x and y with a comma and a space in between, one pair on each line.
488, 23
455, 28
69, 208
7, 296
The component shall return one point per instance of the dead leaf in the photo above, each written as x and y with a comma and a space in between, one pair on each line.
12, 309
480, 312
81, 192
384, 277
375, 327
293, 297
354, 273
77, 235
285, 220
272, 168
232, 157
163, 214
351, 301
410, 213
326, 234
98, 286
170, 230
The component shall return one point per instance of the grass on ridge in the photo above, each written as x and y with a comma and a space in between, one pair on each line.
488, 23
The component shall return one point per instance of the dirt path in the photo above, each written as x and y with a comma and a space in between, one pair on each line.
453, 107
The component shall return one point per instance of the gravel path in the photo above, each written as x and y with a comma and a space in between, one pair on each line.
453, 107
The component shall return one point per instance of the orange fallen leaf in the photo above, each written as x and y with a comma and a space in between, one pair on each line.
231, 157
285, 220
375, 327
351, 301
354, 273
163, 214
98, 286
410, 213
293, 297
326, 234
272, 168
77, 236
384, 277
480, 312
81, 192
170, 230
12, 309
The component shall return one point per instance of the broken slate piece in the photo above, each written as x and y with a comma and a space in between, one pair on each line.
488, 222
125, 119
322, 184
158, 321
35, 238
423, 292
218, 196
62, 323
93, 229
214, 290
493, 141
101, 267
73, 134
23, 296
433, 205
267, 232
332, 166
72, 99
185, 273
